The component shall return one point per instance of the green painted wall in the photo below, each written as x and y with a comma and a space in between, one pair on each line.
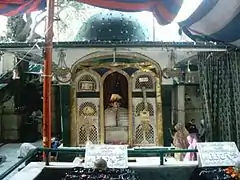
57, 111
64, 91
167, 112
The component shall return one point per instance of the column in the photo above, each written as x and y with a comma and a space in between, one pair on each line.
174, 105
181, 103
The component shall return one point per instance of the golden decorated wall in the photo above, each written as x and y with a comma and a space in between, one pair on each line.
95, 122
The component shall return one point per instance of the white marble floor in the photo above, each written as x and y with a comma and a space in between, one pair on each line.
10, 150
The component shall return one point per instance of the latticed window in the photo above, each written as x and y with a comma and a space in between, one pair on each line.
140, 136
144, 81
87, 109
93, 135
140, 107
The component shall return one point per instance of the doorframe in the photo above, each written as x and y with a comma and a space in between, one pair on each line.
74, 124
158, 105
130, 105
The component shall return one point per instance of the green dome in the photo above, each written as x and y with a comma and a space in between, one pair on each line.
113, 26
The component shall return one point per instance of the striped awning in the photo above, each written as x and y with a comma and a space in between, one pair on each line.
17, 7
216, 20
164, 10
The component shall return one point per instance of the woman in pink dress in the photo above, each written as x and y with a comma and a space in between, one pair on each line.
180, 140
192, 141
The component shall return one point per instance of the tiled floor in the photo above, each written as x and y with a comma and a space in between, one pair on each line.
10, 150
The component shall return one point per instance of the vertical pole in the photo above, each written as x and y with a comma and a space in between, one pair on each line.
154, 28
181, 103
47, 77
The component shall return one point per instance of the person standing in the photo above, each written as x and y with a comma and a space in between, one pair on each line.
180, 140
192, 141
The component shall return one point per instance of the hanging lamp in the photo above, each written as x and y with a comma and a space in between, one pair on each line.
189, 76
62, 72
115, 92
172, 60
114, 63
170, 71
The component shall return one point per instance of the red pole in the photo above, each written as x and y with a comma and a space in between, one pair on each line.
47, 77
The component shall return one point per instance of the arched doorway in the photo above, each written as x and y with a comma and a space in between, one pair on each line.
115, 90
115, 84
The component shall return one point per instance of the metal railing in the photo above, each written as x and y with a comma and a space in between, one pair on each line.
157, 152
21, 161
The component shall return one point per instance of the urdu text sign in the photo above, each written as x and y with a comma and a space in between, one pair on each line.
214, 154
116, 156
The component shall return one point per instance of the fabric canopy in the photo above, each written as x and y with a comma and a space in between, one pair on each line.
164, 10
217, 20
17, 7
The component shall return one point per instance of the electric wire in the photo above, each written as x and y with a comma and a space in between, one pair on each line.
27, 53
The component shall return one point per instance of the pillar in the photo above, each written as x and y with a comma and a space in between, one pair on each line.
174, 105
181, 103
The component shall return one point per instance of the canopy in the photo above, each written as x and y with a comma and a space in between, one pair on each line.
164, 10
17, 7
217, 20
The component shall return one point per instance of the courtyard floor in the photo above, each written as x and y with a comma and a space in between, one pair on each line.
10, 150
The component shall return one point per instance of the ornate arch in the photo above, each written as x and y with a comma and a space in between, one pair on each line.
109, 54
115, 70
